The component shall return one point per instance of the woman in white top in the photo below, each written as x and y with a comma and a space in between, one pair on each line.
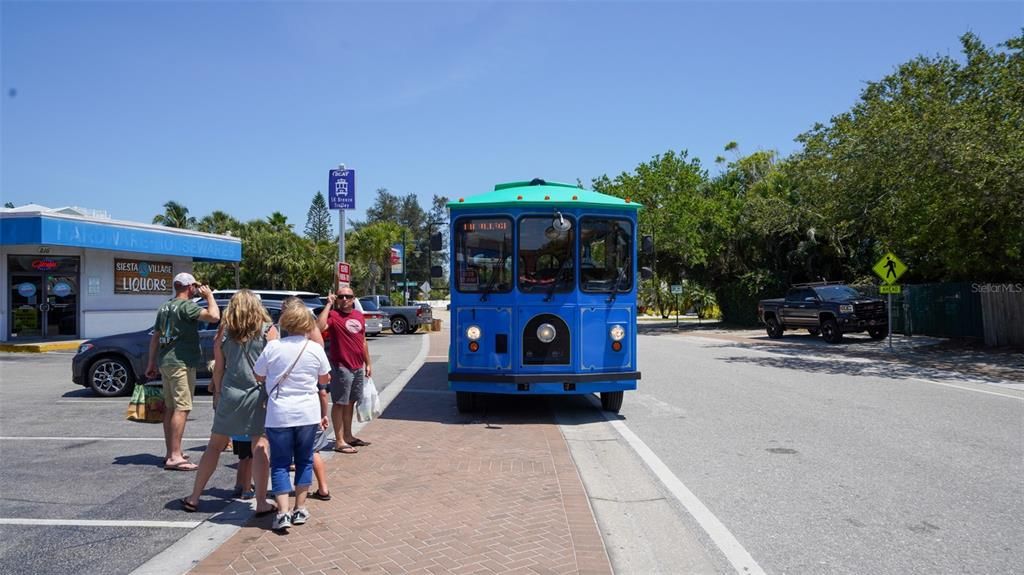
290, 369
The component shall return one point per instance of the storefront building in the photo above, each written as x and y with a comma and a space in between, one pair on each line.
71, 273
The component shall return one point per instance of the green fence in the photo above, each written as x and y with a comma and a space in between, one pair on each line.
938, 310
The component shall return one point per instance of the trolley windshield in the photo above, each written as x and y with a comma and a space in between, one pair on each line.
483, 255
606, 248
545, 254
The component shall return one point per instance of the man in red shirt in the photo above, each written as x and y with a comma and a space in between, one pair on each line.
350, 364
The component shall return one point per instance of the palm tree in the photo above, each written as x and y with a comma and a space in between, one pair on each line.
175, 216
279, 222
219, 222
372, 245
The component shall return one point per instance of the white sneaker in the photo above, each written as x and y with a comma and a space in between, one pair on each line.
299, 516
282, 522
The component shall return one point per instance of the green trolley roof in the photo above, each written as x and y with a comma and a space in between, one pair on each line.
541, 193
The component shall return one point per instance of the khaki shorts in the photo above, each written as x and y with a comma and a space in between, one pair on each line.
179, 386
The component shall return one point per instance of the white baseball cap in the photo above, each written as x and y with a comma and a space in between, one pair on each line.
184, 279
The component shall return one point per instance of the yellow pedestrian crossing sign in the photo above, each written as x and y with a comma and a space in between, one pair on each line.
889, 268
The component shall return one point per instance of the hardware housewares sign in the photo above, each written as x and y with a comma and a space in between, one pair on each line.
142, 277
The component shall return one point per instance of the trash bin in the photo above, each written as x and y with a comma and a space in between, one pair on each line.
436, 325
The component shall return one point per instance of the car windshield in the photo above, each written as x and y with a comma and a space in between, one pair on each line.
837, 293
369, 305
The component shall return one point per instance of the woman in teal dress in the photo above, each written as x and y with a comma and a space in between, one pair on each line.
239, 406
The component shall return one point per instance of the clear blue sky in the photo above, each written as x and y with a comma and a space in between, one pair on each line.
244, 107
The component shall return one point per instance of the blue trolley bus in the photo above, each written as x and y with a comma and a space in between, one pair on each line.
543, 299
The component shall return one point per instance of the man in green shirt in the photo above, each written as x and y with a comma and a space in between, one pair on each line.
174, 346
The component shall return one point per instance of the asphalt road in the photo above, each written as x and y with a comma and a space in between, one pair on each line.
70, 456
819, 462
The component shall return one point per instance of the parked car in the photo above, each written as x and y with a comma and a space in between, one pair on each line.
403, 319
111, 365
311, 299
376, 318
828, 308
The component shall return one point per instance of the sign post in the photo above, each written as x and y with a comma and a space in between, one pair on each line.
676, 290
341, 196
889, 268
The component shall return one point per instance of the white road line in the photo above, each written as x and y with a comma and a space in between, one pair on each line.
1018, 398
73, 438
740, 559
101, 523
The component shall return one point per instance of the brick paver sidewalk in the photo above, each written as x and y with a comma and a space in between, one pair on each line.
437, 492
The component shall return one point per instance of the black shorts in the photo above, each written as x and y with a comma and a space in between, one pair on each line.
243, 449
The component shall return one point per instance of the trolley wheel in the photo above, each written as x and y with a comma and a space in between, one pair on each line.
611, 401
465, 401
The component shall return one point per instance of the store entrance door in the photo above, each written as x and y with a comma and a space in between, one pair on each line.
43, 297
26, 306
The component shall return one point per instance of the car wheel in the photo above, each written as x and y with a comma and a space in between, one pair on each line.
465, 401
830, 331
774, 328
399, 325
111, 377
611, 401
877, 333
813, 331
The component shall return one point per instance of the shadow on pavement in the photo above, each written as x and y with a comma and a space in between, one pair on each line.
426, 397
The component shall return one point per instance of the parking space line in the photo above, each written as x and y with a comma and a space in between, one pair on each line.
1008, 396
77, 438
100, 523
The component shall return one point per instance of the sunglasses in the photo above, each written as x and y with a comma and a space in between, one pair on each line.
346, 296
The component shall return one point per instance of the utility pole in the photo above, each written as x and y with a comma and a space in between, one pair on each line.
405, 268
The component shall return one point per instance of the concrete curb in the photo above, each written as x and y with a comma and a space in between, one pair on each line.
42, 347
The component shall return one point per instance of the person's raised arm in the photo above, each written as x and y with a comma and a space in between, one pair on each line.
321, 320
212, 313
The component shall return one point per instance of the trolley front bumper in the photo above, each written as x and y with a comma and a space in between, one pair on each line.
543, 383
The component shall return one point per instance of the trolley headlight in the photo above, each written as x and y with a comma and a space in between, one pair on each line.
473, 332
546, 333
617, 333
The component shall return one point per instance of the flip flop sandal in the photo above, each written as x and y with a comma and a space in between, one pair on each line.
358, 443
346, 449
186, 506
321, 496
182, 466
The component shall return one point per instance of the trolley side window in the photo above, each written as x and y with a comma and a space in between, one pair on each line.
606, 252
483, 255
545, 254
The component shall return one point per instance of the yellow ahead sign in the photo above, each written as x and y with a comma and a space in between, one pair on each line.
889, 268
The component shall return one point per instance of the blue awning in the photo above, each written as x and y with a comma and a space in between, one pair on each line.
91, 233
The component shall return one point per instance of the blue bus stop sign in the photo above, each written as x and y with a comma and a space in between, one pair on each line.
341, 189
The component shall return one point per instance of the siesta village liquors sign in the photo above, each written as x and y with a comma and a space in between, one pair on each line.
142, 277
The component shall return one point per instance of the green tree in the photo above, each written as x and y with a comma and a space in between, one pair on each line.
318, 220
175, 216
929, 163
370, 249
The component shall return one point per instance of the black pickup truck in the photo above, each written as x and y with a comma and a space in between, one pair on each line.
828, 308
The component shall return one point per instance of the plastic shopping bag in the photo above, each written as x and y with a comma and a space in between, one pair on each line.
368, 406
146, 404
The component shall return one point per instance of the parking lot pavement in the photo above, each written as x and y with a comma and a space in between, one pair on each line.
82, 490
495, 491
